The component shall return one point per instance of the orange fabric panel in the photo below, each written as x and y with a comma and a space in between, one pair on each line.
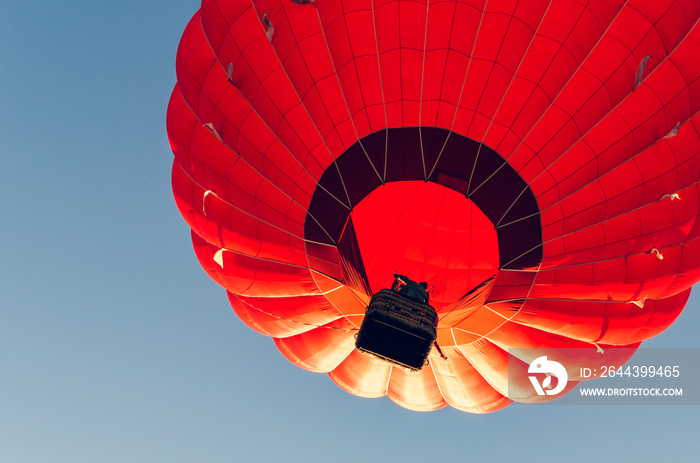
362, 375
462, 385
322, 349
417, 391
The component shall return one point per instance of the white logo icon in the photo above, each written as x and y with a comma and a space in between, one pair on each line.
550, 368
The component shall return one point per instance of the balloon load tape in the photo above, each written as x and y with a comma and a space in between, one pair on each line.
398, 329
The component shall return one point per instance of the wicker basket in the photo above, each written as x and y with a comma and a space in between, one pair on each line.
398, 330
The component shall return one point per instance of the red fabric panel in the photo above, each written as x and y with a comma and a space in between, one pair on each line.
215, 101
605, 78
400, 52
445, 64
566, 36
626, 278
614, 323
349, 29
229, 227
506, 33
300, 46
664, 168
658, 224
281, 317
251, 276
239, 184
240, 39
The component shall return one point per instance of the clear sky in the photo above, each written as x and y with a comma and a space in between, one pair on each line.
115, 346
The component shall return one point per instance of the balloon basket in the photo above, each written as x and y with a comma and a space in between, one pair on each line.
398, 330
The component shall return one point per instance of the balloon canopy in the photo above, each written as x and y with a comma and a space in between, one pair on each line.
535, 162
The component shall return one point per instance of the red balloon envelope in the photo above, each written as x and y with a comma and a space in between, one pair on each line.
535, 162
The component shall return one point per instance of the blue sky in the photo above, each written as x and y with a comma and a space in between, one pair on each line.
116, 347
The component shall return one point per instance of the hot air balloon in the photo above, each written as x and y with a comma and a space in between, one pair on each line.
536, 163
